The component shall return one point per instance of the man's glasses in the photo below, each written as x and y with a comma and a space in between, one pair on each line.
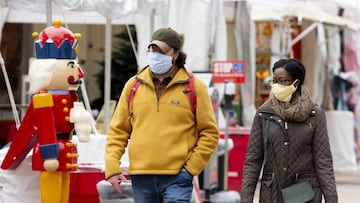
281, 82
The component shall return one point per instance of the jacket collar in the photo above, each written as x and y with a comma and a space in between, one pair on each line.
144, 76
267, 110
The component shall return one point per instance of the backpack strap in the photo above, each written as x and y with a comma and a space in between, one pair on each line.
191, 94
134, 87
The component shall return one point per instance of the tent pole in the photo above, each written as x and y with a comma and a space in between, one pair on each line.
107, 71
3, 18
152, 21
48, 13
107, 84
10, 92
132, 44
301, 35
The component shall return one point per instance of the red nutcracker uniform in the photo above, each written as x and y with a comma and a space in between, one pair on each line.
46, 126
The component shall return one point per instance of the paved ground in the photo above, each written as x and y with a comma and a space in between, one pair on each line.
348, 186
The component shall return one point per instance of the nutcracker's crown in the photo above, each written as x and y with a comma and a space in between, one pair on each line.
56, 42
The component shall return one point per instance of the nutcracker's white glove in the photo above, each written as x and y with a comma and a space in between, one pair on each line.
82, 120
51, 165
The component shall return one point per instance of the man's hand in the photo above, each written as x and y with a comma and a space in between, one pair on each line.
115, 180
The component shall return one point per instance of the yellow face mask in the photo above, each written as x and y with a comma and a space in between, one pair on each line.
283, 92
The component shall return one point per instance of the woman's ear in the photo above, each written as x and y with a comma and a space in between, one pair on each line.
296, 83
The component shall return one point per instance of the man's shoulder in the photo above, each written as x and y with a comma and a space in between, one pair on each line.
199, 83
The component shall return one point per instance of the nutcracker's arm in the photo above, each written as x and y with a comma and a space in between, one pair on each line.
45, 122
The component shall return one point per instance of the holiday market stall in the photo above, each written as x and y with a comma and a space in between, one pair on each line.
308, 32
264, 31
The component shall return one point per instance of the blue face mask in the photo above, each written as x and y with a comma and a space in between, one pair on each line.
159, 63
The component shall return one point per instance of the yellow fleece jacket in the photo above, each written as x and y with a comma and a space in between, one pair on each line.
160, 135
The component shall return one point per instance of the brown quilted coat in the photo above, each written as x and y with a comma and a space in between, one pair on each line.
300, 148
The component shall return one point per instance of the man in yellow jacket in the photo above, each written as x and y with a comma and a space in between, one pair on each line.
167, 143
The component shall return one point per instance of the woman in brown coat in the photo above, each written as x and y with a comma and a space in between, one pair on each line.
297, 145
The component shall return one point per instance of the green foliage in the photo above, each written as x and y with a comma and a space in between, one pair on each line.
123, 64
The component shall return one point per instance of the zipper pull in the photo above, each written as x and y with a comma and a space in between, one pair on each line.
286, 126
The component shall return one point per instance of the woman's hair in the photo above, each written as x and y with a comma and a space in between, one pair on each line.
295, 69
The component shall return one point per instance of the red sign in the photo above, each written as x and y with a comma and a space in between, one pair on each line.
228, 71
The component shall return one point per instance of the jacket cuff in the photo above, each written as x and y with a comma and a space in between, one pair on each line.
49, 151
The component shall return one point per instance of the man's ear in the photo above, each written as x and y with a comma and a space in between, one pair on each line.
176, 55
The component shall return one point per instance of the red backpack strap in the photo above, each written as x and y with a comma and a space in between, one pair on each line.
191, 94
134, 87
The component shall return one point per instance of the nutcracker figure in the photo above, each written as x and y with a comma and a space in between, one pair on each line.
53, 114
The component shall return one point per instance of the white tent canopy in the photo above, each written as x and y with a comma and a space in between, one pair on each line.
70, 17
303, 10
71, 12
203, 33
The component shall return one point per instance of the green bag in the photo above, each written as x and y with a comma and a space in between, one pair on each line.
298, 193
